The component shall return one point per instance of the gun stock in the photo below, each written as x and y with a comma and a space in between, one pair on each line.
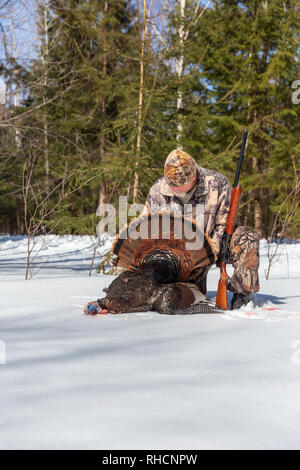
221, 299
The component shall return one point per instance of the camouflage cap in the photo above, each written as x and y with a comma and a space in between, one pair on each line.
180, 168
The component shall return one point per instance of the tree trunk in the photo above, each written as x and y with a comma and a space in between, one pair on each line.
179, 70
16, 89
45, 17
102, 189
258, 213
140, 107
43, 25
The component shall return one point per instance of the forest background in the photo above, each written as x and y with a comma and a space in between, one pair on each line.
94, 94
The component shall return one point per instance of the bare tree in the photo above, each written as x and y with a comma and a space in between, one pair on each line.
143, 33
183, 33
41, 203
282, 224
43, 24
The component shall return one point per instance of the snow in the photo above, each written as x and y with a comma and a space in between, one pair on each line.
143, 380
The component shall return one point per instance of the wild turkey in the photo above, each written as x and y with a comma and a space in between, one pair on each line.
158, 267
165, 238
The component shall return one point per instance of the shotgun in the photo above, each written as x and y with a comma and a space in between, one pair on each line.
221, 300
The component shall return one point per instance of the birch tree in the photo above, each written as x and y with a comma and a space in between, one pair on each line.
183, 30
142, 34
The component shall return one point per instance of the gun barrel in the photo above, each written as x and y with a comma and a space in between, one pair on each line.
238, 170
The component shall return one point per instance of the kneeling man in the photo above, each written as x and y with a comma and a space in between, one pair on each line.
185, 182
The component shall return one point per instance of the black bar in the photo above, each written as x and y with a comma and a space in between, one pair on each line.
238, 170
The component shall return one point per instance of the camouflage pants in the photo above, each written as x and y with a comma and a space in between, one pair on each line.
244, 257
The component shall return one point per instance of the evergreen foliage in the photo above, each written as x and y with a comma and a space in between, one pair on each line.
77, 142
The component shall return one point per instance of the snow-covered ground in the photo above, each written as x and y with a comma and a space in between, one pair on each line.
143, 380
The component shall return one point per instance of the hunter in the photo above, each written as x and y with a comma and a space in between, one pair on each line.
185, 182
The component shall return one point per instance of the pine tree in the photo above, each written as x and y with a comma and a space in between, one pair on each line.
108, 99
249, 65
84, 62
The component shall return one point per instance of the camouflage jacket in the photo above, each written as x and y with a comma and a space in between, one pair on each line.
213, 192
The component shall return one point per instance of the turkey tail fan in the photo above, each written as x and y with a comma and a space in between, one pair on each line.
172, 235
